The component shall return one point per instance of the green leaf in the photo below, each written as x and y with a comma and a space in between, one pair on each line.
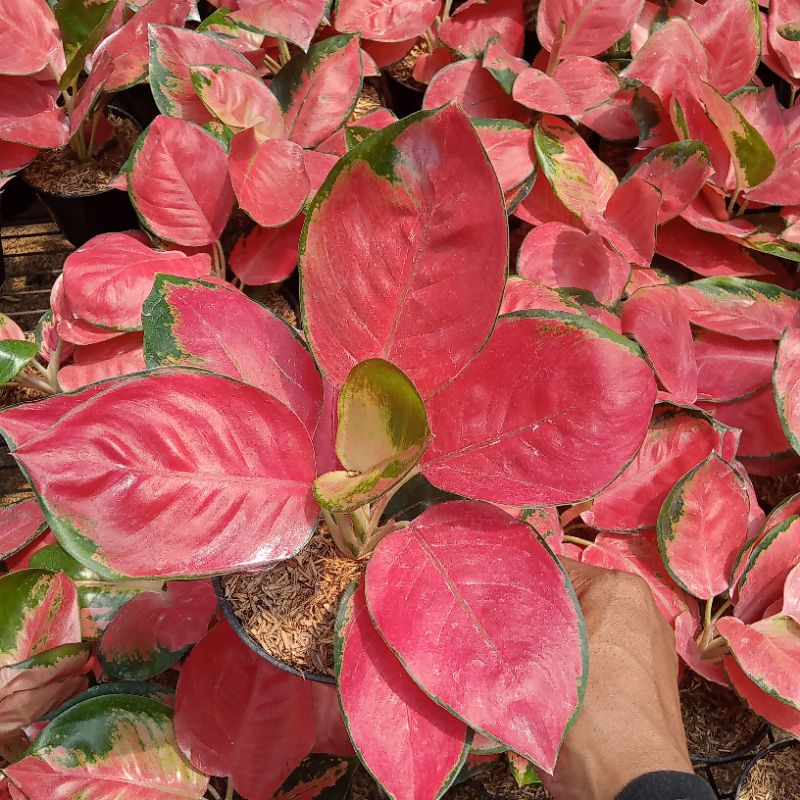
154, 691
15, 355
383, 432
82, 24
523, 771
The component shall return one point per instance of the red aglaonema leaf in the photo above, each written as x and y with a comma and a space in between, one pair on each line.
13, 158
21, 521
740, 307
777, 712
330, 734
729, 368
767, 652
463, 553
476, 89
239, 100
178, 183
122, 355
576, 85
510, 447
232, 707
418, 748
705, 253
559, 255
30, 40
108, 278
153, 630
734, 55
210, 327
386, 20
782, 17
686, 627
757, 417
588, 27
671, 53
68, 326
521, 295
476, 23
762, 580
318, 90
509, 146
30, 114
678, 171
504, 67
676, 442
786, 384
166, 504
173, 52
336, 145
791, 595
541, 205
656, 318
377, 215
638, 554
133, 746
269, 178
702, 526
266, 255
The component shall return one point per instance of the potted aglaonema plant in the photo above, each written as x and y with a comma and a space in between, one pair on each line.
225, 455
75, 137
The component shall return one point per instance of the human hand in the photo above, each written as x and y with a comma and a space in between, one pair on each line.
630, 723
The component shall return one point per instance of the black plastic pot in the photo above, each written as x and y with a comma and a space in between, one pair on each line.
15, 197
767, 751
138, 103
405, 99
231, 618
81, 217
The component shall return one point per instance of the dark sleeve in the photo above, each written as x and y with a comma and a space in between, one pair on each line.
667, 786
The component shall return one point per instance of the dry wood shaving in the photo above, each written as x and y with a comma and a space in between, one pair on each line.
499, 782
270, 297
60, 172
774, 777
403, 70
772, 490
290, 610
368, 100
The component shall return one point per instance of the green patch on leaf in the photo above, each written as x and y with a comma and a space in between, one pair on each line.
790, 31
82, 24
15, 355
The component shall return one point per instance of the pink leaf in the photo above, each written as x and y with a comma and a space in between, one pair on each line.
30, 40
730, 32
389, 229
542, 206
685, 630
463, 553
20, 522
173, 52
768, 653
178, 182
210, 327
786, 382
576, 85
591, 26
319, 165
476, 89
330, 734
707, 254
416, 750
325, 433
386, 20
122, 355
671, 54
384, 54
658, 321
293, 20
782, 13
269, 178
559, 255
699, 215
548, 438
614, 119
30, 114
729, 368
266, 255
676, 442
740, 307
505, 67
509, 146
336, 144
161, 504
757, 417
151, 631
521, 295
476, 23
14, 157
767, 567
678, 171
765, 705
239, 100
637, 553
702, 526
232, 707
318, 90
108, 279
791, 595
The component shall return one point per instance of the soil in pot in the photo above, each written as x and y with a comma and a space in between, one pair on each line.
772, 490
775, 776
290, 610
405, 91
368, 100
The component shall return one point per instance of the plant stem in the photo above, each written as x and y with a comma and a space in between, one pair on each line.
213, 792
732, 202
53, 366
448, 4
577, 540
574, 512
552, 61
219, 259
32, 382
283, 49
229, 790
273, 66
720, 611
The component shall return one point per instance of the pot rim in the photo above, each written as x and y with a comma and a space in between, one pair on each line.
773, 747
228, 613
